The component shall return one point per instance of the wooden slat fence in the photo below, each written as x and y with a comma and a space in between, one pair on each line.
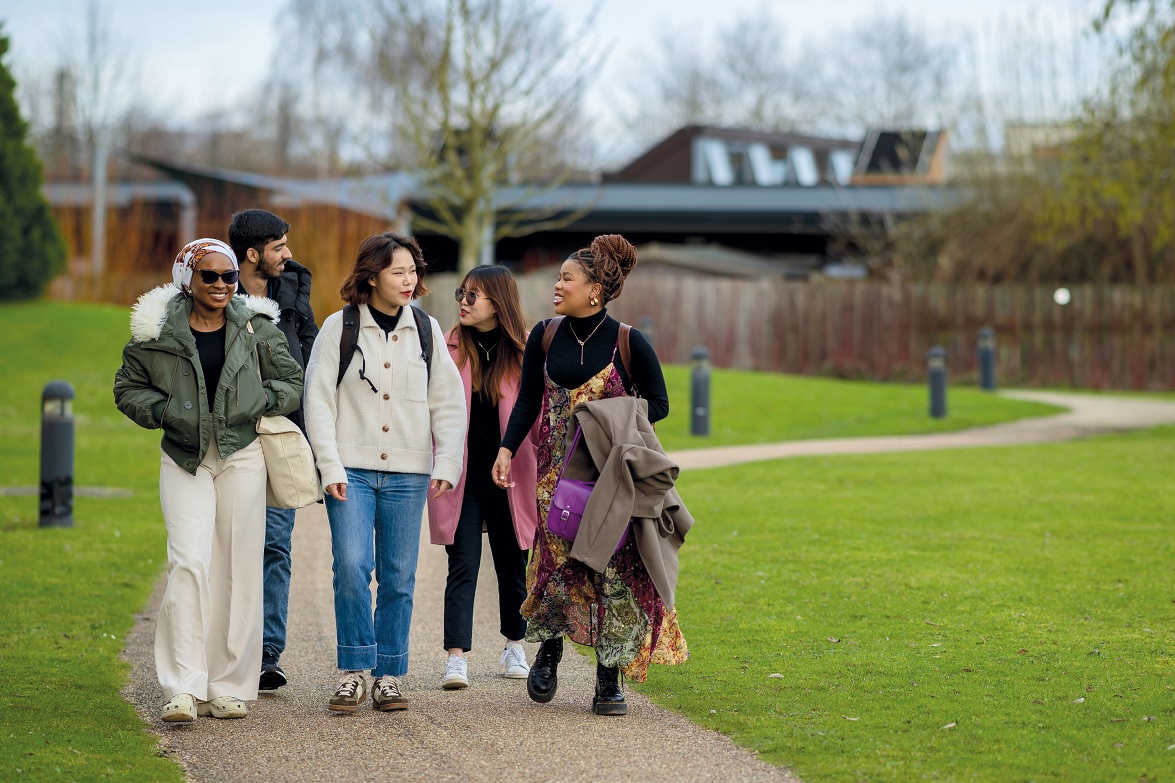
1111, 337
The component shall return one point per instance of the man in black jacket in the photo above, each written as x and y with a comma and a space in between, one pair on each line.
267, 269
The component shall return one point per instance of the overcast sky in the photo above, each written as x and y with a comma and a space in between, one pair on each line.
194, 59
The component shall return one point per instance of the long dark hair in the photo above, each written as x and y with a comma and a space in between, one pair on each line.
497, 284
373, 257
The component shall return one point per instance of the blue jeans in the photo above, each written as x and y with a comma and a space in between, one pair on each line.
390, 505
279, 527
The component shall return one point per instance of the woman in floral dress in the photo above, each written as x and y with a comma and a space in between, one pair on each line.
618, 612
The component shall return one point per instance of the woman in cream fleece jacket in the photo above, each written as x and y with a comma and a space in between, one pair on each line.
374, 436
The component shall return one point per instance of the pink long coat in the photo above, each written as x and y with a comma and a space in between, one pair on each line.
444, 512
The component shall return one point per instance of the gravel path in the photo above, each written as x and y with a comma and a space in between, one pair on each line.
492, 731
489, 732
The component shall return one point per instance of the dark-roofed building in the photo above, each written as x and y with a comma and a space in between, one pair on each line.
779, 196
708, 155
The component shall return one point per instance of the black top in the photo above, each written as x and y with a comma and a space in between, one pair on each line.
210, 346
385, 321
563, 365
485, 431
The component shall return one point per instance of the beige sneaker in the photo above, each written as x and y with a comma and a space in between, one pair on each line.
386, 694
180, 708
352, 692
223, 707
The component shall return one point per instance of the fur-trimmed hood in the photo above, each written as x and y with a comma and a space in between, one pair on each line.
151, 311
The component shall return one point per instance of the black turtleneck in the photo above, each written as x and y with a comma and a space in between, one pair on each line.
485, 429
486, 346
563, 365
385, 321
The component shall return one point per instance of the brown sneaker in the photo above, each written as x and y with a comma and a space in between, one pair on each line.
386, 694
352, 692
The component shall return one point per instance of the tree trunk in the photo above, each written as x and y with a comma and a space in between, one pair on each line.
469, 244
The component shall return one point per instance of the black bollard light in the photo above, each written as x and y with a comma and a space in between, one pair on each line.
936, 365
646, 327
57, 455
699, 392
987, 359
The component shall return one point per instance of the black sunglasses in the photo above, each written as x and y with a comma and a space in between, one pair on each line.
468, 297
209, 277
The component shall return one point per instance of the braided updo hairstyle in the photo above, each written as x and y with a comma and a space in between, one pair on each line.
608, 261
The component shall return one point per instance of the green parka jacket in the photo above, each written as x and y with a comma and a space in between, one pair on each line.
161, 383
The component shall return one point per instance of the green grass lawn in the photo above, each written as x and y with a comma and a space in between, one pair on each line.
70, 594
755, 407
983, 615
861, 549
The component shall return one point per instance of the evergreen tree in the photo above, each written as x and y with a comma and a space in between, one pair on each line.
32, 249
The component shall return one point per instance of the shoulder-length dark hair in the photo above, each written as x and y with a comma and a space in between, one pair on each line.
497, 284
374, 256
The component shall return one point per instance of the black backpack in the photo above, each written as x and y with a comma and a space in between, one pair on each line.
349, 339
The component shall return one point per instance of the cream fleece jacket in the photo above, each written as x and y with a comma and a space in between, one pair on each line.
395, 428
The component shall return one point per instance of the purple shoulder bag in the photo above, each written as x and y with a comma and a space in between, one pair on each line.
569, 500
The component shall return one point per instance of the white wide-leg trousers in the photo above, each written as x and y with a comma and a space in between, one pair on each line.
208, 634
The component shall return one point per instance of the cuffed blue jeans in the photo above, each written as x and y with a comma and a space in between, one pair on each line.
388, 507
279, 528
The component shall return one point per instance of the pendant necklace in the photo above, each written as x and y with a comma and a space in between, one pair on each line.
584, 340
485, 350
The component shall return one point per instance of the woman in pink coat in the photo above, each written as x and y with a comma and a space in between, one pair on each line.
487, 345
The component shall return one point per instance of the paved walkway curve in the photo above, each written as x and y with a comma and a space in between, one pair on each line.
1088, 414
492, 731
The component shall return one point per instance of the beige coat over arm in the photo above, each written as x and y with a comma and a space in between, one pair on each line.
635, 482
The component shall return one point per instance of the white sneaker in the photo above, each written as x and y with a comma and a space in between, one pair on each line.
514, 665
456, 673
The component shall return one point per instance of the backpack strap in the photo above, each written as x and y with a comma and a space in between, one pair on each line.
625, 350
424, 332
348, 340
549, 332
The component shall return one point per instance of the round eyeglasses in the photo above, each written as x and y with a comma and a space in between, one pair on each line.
468, 297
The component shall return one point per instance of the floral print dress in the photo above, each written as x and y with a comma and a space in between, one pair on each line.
618, 612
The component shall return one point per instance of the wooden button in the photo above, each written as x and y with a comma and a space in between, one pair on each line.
387, 396
385, 428
383, 456
387, 365
394, 338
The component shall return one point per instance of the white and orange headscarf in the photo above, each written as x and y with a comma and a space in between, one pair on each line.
185, 262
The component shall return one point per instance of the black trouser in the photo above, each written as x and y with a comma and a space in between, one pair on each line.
465, 561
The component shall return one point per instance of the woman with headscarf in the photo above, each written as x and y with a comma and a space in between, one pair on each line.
618, 611
204, 365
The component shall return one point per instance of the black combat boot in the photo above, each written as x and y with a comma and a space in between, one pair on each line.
544, 677
609, 699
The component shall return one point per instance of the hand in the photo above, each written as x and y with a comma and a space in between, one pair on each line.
439, 488
337, 491
501, 469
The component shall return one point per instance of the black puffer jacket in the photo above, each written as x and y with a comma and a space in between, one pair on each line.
291, 291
